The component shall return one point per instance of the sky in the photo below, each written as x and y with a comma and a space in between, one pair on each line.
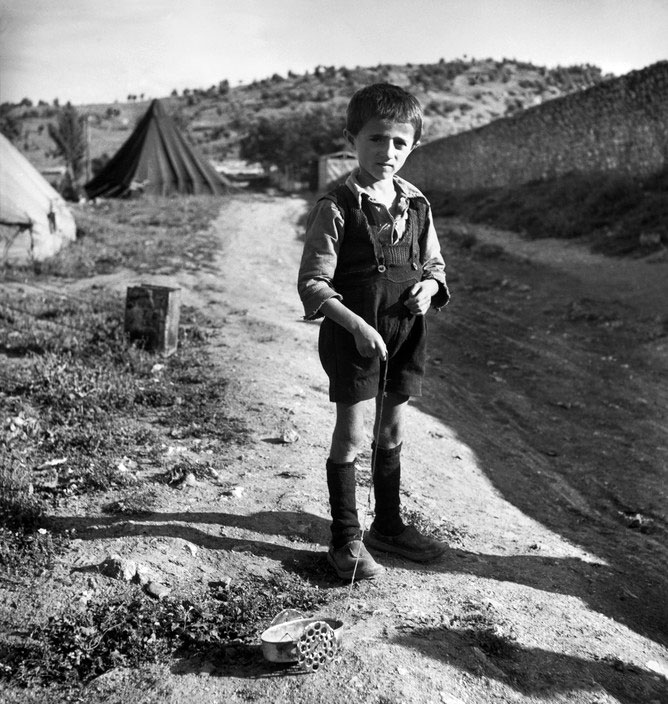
88, 51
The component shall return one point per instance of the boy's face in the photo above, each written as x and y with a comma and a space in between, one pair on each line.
382, 147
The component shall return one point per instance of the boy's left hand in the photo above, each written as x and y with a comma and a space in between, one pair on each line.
420, 295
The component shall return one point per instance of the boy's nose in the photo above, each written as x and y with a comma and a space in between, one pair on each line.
388, 148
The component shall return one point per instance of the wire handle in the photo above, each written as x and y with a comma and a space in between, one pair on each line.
384, 363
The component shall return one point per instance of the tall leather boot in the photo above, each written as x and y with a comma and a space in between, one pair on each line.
388, 533
386, 465
347, 554
341, 484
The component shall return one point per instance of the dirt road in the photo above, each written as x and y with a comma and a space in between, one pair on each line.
539, 451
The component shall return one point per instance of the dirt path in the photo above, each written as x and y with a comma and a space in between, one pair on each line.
539, 451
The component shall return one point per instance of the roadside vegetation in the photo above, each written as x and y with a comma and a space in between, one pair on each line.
76, 400
617, 215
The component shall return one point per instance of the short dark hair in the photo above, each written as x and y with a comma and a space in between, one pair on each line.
385, 102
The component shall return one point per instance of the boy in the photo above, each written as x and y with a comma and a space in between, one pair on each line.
372, 267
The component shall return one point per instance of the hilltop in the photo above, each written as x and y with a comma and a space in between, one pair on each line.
457, 96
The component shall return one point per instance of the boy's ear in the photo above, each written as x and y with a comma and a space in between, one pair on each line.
350, 138
415, 145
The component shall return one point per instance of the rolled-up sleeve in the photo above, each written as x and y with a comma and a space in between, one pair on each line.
324, 231
433, 265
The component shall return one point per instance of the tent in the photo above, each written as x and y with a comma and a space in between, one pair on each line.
156, 159
333, 168
35, 221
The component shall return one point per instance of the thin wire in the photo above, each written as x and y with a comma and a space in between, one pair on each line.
379, 415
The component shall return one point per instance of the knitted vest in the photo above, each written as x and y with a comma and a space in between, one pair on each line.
357, 254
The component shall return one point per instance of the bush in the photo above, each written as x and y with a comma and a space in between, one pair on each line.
295, 139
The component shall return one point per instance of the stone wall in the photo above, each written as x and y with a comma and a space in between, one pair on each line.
620, 126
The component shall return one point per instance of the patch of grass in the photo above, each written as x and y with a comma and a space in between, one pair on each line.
441, 530
618, 214
144, 235
26, 549
142, 500
90, 393
131, 629
18, 507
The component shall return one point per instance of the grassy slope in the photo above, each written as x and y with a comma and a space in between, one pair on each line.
457, 96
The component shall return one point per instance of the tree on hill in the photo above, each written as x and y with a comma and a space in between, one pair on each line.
295, 139
69, 136
10, 125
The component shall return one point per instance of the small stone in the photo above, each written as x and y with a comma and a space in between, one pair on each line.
450, 699
289, 436
143, 575
116, 567
236, 492
207, 669
157, 590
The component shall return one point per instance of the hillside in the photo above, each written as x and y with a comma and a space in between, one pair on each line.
457, 96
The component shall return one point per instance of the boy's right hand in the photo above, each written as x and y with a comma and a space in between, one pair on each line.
369, 342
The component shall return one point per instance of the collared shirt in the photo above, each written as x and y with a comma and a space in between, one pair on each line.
324, 233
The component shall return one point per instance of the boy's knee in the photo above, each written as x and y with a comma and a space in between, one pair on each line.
348, 438
390, 436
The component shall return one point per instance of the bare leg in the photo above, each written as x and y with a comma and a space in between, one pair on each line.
348, 434
389, 425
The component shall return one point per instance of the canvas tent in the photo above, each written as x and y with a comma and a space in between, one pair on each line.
332, 168
35, 221
156, 159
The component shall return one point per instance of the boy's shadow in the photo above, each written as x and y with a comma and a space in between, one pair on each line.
595, 584
534, 671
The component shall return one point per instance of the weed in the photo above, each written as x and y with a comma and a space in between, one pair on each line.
19, 509
142, 500
440, 530
131, 630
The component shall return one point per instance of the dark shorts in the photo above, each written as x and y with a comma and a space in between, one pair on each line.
353, 378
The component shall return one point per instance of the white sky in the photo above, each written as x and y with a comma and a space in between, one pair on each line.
103, 50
